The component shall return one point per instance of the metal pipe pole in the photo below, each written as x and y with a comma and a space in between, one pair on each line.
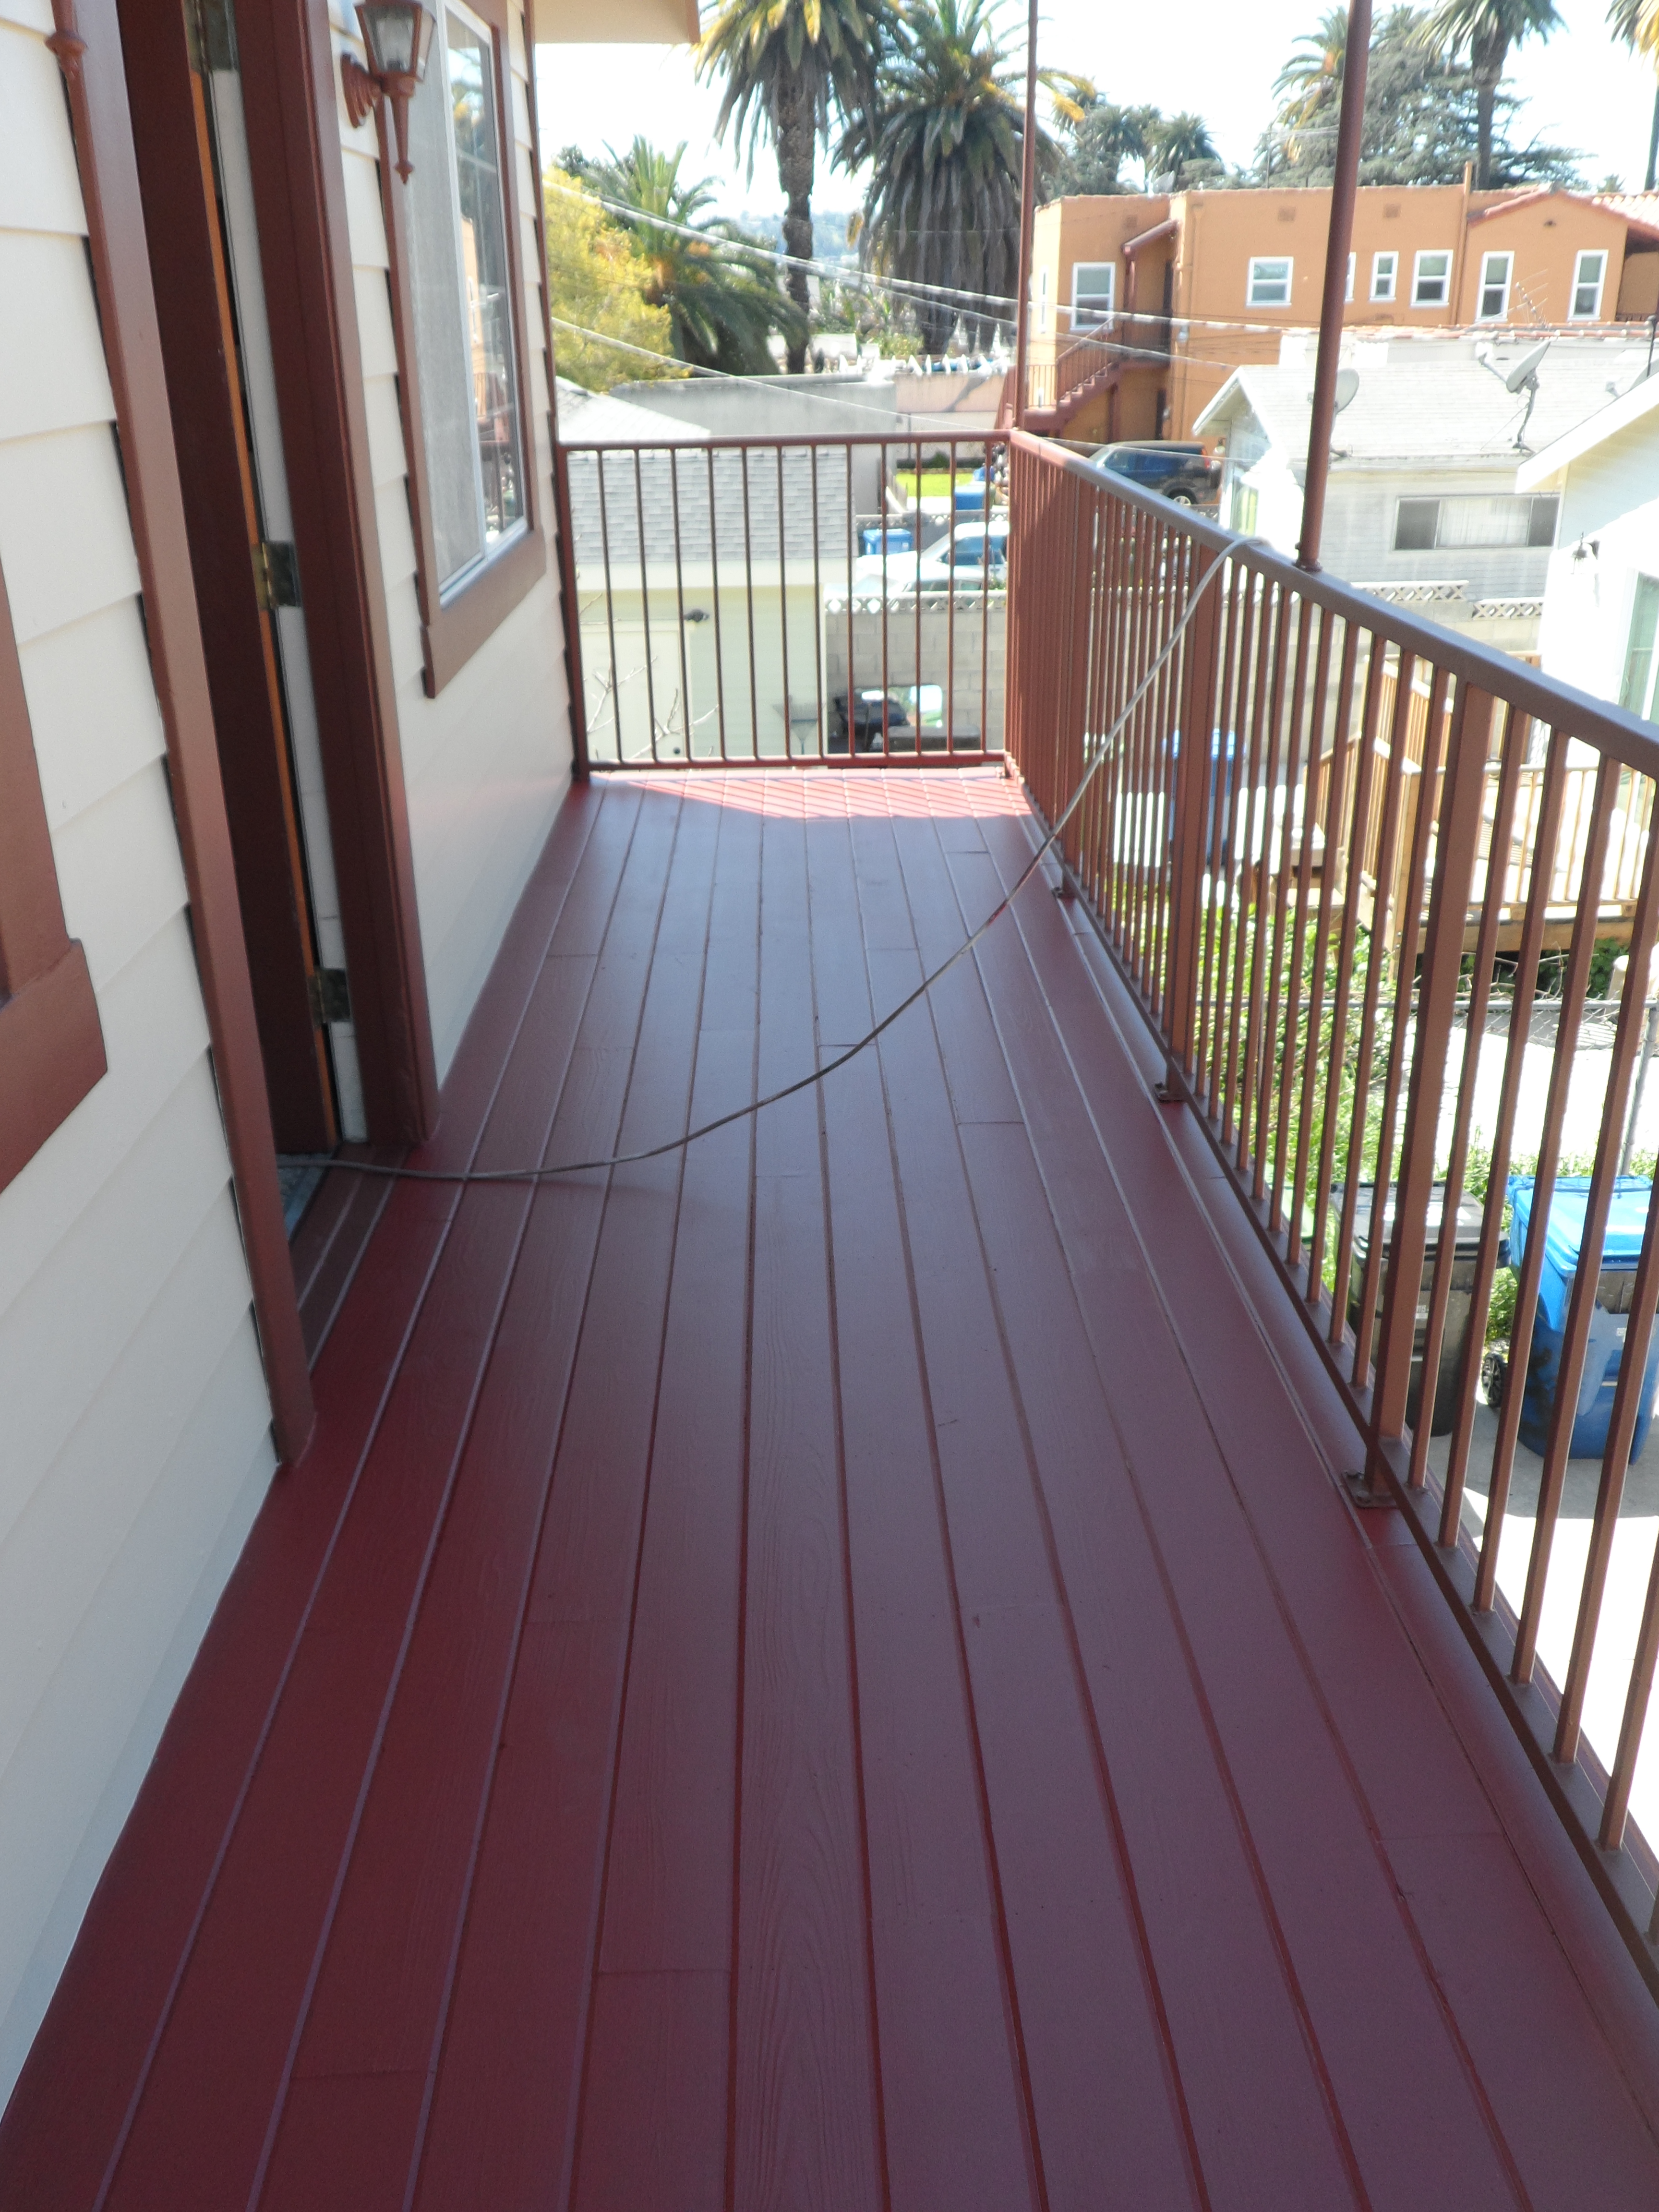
1027, 219
1343, 185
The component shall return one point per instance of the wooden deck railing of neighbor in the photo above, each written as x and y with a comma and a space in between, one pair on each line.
790, 602
1360, 874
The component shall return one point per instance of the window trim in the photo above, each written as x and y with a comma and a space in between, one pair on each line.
1431, 254
455, 626
1482, 286
1271, 261
1094, 319
1391, 255
1588, 253
1353, 269
51, 1044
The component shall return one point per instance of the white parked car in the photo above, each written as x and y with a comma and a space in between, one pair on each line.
973, 553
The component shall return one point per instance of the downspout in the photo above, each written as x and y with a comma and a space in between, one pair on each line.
1343, 186
1460, 257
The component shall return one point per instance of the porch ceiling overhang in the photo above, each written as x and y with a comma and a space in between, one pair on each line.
620, 22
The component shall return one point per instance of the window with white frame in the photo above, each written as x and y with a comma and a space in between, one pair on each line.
1385, 275
461, 300
1094, 288
1269, 283
1431, 280
1494, 304
1041, 302
1352, 260
1423, 525
1589, 274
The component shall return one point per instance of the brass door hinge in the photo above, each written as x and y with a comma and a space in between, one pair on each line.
276, 574
210, 33
331, 996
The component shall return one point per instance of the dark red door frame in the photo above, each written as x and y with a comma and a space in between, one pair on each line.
89, 51
290, 94
188, 264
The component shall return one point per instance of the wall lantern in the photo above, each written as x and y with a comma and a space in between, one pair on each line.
397, 35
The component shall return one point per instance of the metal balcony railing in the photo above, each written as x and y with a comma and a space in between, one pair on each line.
790, 601
1343, 857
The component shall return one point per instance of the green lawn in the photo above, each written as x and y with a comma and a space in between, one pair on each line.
935, 482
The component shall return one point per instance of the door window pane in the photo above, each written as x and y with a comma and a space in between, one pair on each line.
1637, 690
1588, 275
461, 297
1433, 279
1494, 301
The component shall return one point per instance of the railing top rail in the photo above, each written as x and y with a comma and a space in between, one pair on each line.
893, 435
1615, 731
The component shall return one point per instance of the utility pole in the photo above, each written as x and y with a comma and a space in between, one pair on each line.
1027, 219
1344, 185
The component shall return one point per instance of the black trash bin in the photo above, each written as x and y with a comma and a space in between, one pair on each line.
1456, 1335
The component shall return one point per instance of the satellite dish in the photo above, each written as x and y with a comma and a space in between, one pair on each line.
1526, 369
1347, 383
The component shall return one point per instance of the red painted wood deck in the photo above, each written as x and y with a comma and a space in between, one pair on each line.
831, 1670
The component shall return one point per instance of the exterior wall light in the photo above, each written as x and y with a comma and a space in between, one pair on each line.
397, 35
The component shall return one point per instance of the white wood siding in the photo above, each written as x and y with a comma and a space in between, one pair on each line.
487, 761
1609, 506
134, 1445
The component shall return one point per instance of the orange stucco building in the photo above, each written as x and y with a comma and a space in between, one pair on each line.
1143, 304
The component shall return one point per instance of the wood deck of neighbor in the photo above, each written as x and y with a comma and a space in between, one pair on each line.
830, 1669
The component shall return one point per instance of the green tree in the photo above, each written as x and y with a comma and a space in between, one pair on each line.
1486, 29
596, 279
1177, 145
721, 309
1637, 22
1104, 137
789, 66
945, 150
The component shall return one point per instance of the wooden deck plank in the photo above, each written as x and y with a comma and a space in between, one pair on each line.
1440, 1832
957, 2124
1107, 2105
652, 2123
1346, 1927
806, 2110
382, 1990
956, 1748
279, 1871
75, 2098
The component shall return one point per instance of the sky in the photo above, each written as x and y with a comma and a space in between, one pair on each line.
1582, 90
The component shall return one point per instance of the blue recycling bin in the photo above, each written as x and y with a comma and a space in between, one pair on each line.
898, 541
1564, 1235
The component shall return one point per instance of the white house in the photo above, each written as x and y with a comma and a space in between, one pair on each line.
1602, 599
1423, 504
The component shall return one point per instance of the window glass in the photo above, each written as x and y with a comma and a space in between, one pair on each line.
1093, 287
1269, 282
1637, 690
1043, 298
1494, 301
1353, 258
1244, 510
1544, 512
1586, 279
1414, 525
1385, 267
461, 296
1433, 281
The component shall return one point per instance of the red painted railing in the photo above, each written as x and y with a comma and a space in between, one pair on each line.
1357, 872
796, 601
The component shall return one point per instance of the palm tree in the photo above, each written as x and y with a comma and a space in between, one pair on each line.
1176, 140
722, 309
1488, 28
1312, 77
1104, 137
944, 146
787, 63
1637, 22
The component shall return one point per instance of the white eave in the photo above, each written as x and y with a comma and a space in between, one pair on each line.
1550, 465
